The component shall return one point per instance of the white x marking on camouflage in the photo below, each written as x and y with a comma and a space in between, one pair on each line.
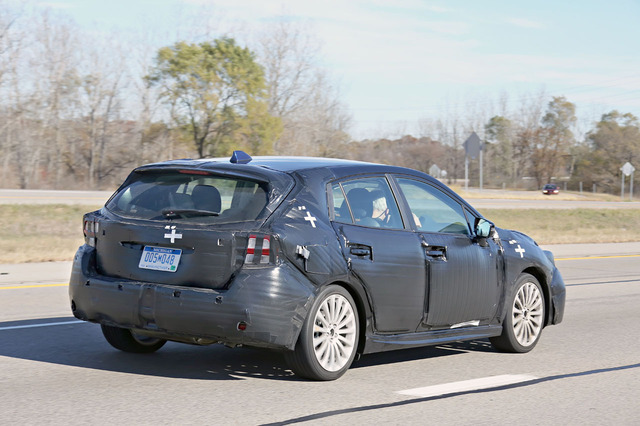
311, 219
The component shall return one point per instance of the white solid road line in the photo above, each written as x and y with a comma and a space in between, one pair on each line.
16, 327
468, 385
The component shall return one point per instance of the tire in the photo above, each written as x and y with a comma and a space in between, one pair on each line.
328, 341
128, 341
524, 321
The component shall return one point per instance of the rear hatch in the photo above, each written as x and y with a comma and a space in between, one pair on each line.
185, 226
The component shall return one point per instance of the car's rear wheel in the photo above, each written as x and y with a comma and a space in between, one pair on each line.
128, 341
524, 322
329, 337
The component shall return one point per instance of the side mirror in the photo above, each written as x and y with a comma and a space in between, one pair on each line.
483, 228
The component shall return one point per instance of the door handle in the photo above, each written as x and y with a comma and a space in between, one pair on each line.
360, 251
436, 252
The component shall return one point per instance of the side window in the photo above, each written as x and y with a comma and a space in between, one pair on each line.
340, 207
432, 210
368, 202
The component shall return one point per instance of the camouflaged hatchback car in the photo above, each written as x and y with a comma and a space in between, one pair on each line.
323, 259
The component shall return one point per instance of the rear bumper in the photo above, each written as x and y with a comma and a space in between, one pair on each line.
273, 302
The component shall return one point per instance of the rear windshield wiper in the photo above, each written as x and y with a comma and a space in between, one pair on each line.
185, 213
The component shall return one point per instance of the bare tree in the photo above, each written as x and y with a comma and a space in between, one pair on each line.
289, 55
102, 75
527, 133
553, 151
450, 131
20, 146
499, 152
55, 88
9, 52
8, 37
315, 122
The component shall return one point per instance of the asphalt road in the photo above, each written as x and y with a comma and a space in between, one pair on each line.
550, 203
54, 370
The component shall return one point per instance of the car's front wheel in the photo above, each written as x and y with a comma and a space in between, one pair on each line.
329, 337
128, 341
524, 321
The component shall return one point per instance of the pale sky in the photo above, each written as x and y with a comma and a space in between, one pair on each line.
398, 62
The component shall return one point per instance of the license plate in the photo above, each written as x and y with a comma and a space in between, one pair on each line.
160, 259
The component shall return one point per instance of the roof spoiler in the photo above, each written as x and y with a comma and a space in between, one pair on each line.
240, 157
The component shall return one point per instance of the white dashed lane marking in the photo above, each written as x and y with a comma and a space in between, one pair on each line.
468, 385
49, 324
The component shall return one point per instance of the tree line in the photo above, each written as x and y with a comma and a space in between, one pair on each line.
80, 112
77, 112
539, 143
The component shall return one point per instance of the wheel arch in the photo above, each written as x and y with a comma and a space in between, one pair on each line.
546, 291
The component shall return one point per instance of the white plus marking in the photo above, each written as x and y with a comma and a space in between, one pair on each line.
311, 219
173, 236
520, 250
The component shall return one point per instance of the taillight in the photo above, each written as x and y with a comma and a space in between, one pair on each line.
266, 249
90, 229
259, 251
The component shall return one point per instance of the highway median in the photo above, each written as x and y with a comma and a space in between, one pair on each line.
53, 232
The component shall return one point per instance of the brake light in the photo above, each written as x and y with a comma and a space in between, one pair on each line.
194, 172
259, 250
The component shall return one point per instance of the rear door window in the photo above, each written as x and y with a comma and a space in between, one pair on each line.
366, 202
190, 197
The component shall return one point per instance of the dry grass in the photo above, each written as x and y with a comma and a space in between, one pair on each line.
40, 233
571, 226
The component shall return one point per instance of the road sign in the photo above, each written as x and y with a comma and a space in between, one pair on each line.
627, 169
472, 146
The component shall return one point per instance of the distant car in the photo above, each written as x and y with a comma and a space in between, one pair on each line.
550, 189
321, 258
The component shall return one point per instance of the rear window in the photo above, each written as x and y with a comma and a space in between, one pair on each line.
190, 197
